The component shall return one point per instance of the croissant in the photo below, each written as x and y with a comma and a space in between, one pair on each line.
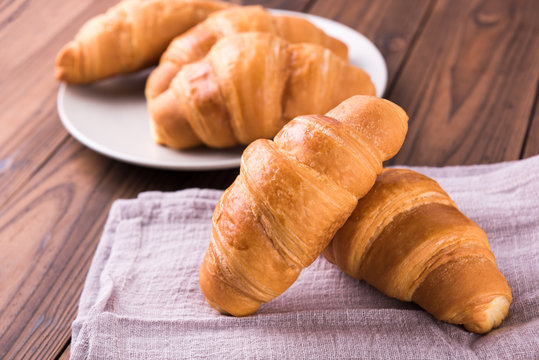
408, 239
128, 37
292, 195
196, 43
250, 85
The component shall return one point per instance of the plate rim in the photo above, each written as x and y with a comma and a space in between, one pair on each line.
133, 160
218, 164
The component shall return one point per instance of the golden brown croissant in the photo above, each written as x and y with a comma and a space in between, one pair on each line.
197, 42
250, 85
128, 37
290, 198
408, 239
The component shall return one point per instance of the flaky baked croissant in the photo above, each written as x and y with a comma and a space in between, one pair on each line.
292, 195
250, 85
408, 239
128, 37
197, 42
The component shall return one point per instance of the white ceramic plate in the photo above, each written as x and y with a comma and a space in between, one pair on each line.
111, 118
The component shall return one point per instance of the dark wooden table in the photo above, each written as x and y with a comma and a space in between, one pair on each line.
465, 71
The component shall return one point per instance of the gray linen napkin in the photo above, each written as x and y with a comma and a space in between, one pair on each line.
142, 299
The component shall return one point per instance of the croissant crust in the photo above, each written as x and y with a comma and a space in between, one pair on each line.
128, 37
408, 239
247, 87
292, 195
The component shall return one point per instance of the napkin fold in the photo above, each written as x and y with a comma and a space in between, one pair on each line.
142, 299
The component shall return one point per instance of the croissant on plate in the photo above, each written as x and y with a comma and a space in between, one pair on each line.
292, 195
197, 42
249, 86
408, 239
128, 37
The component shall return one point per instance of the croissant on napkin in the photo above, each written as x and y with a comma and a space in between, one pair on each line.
408, 239
128, 37
249, 86
292, 195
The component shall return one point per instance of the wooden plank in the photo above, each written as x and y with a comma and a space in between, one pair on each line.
30, 129
54, 224
469, 83
391, 25
32, 231
65, 354
28, 63
531, 145
296, 5
36, 24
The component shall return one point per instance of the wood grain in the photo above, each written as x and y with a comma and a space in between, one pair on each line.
531, 144
296, 5
31, 131
392, 25
35, 230
55, 224
65, 354
469, 83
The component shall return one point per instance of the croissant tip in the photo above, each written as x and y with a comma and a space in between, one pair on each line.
492, 316
160, 79
65, 61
